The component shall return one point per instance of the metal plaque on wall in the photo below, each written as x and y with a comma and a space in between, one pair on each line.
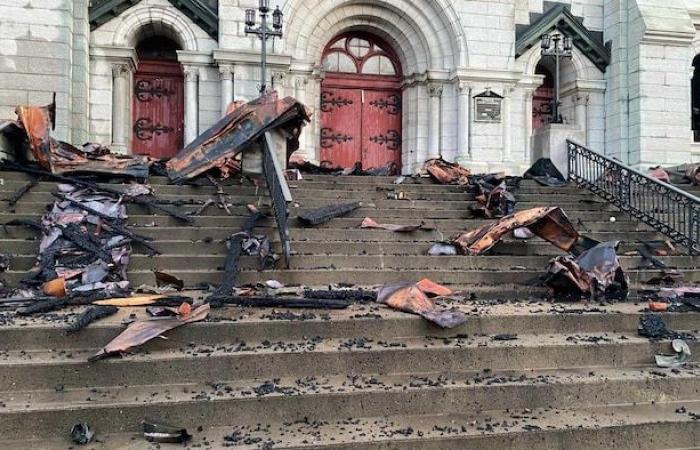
487, 107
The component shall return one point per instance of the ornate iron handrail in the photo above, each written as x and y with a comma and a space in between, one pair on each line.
663, 207
279, 193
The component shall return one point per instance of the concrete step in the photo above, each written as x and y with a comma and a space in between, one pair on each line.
574, 211
200, 261
320, 197
155, 180
307, 189
327, 235
236, 223
163, 362
460, 279
533, 247
224, 402
371, 321
377, 213
644, 426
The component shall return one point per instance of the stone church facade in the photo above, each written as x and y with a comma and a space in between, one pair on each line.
628, 90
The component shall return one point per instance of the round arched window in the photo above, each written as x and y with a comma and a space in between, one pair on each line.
360, 54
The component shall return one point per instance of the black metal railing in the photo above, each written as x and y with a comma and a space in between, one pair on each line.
663, 207
279, 193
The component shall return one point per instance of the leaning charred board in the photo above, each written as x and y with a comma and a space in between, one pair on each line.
233, 257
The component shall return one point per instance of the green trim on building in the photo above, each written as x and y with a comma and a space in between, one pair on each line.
561, 18
102, 11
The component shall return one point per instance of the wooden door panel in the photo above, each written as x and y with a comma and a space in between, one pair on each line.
381, 128
341, 127
158, 109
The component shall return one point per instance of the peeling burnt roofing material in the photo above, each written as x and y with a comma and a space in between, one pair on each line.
236, 131
551, 224
60, 157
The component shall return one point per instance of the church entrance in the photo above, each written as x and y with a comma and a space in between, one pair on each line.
360, 103
158, 100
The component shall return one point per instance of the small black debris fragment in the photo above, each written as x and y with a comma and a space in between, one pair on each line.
159, 432
81, 433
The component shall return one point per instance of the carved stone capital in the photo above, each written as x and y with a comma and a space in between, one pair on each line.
464, 88
191, 73
435, 90
226, 72
120, 69
301, 82
279, 78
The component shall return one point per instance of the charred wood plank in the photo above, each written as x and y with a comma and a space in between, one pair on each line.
139, 200
84, 241
326, 213
112, 224
90, 315
354, 295
19, 193
233, 257
278, 302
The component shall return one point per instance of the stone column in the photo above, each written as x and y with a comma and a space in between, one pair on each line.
226, 77
507, 125
527, 115
464, 92
300, 83
435, 94
191, 103
120, 106
279, 81
581, 106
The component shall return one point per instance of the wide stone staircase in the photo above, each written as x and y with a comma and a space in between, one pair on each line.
522, 372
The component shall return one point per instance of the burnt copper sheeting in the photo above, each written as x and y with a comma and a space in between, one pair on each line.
596, 271
142, 331
692, 174
550, 224
233, 133
446, 172
38, 121
60, 157
69, 159
494, 201
412, 298
369, 223
660, 174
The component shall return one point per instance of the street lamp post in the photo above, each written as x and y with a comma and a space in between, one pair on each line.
551, 47
263, 32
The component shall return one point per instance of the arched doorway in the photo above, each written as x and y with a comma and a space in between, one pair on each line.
360, 103
542, 98
158, 99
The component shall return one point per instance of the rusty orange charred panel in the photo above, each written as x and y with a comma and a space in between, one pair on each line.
38, 121
412, 298
550, 224
233, 133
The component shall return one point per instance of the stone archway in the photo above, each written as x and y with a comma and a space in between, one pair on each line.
430, 46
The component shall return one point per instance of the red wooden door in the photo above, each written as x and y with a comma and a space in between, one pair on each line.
158, 109
360, 103
381, 128
341, 127
542, 107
